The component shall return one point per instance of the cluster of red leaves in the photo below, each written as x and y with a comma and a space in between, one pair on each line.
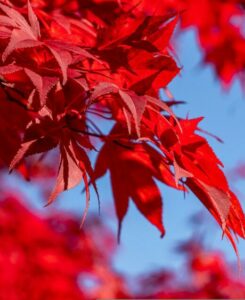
206, 276
56, 260
51, 258
220, 29
67, 67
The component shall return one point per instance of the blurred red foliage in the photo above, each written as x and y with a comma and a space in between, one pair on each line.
206, 275
220, 29
51, 258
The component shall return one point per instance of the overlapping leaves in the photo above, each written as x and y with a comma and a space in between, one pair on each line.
64, 73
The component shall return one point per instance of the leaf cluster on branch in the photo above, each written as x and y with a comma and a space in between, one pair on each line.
68, 67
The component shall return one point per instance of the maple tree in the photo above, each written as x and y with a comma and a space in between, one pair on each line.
71, 68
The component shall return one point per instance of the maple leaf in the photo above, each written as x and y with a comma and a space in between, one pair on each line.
195, 162
42, 84
119, 159
74, 167
206, 180
129, 103
23, 34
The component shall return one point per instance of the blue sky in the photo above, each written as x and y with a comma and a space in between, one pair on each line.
141, 247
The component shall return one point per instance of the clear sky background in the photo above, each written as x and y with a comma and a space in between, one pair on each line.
141, 247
